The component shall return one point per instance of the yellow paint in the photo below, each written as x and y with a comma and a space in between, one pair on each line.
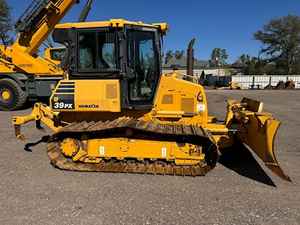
93, 95
40, 112
69, 147
113, 23
172, 86
124, 148
5, 95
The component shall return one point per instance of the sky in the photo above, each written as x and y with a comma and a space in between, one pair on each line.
228, 24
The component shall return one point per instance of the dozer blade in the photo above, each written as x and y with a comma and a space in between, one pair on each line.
259, 134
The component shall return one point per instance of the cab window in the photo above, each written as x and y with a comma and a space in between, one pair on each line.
57, 54
96, 51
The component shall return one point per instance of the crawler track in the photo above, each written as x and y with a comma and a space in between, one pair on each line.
137, 129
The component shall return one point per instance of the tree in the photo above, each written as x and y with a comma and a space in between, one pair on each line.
179, 54
281, 42
251, 65
255, 66
244, 59
169, 55
5, 22
218, 57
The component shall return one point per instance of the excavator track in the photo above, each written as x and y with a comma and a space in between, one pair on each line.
137, 129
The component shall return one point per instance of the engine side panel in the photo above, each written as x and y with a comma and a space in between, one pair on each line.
177, 98
87, 96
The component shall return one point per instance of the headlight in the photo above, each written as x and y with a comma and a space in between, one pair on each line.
200, 107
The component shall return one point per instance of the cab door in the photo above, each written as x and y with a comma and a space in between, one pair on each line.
143, 56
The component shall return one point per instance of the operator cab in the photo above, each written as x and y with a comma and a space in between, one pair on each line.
116, 49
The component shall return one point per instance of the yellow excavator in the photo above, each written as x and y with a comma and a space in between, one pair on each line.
24, 75
115, 112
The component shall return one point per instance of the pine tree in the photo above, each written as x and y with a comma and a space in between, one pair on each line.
5, 22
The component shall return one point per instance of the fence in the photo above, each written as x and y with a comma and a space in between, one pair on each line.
261, 81
246, 81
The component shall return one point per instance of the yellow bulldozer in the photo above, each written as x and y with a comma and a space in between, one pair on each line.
116, 112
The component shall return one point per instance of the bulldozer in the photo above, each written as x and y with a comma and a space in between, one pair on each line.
24, 74
116, 112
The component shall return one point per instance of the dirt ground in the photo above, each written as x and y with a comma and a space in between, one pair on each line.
33, 192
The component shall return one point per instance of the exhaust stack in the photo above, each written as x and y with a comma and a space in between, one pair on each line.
190, 58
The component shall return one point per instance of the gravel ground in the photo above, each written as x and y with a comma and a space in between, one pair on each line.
33, 192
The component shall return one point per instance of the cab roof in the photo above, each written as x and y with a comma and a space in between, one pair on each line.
112, 23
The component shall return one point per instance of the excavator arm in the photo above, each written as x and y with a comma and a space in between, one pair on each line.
38, 21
